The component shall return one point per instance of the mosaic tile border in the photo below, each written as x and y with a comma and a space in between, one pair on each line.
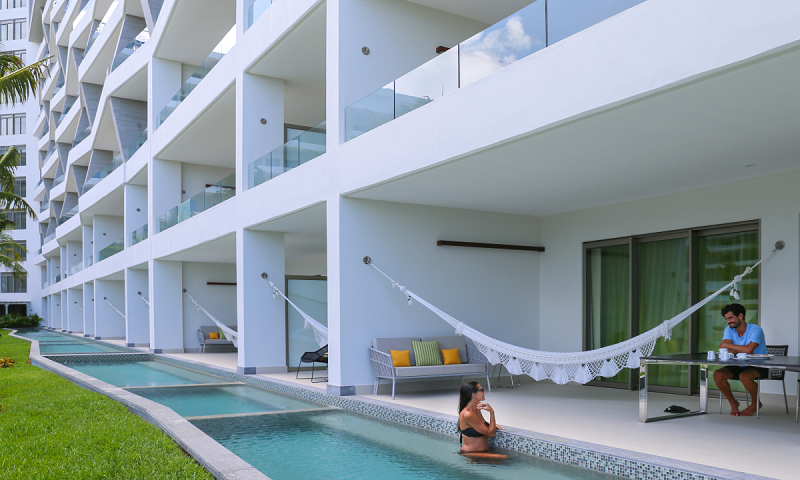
579, 454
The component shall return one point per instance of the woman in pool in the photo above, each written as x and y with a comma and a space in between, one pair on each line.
472, 427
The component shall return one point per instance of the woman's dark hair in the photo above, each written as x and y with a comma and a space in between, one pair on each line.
464, 397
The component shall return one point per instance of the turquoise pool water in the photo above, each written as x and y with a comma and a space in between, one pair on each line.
45, 336
346, 446
222, 400
142, 374
78, 347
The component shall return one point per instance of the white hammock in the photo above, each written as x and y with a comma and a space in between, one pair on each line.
78, 305
563, 367
320, 330
230, 334
144, 300
112, 306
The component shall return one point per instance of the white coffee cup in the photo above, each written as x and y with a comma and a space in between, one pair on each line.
741, 355
711, 355
723, 354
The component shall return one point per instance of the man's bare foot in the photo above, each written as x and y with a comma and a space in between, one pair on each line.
751, 410
735, 409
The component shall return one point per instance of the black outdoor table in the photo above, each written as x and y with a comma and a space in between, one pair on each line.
784, 363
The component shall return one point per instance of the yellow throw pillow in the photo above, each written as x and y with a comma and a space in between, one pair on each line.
401, 358
451, 357
213, 336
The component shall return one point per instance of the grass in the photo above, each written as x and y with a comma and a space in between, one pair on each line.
53, 429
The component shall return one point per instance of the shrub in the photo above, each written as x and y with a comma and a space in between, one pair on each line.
14, 320
7, 362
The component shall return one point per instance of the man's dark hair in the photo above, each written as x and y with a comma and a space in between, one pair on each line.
734, 308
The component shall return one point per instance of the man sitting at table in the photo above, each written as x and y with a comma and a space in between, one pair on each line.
741, 337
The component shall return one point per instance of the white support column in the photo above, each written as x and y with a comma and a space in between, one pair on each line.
88, 245
336, 379
74, 255
261, 318
65, 311
165, 189
137, 327
74, 314
88, 310
258, 98
108, 323
166, 306
55, 309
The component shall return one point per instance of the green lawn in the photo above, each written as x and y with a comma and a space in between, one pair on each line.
53, 429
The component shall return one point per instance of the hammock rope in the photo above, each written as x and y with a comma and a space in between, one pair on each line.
320, 330
231, 334
563, 367
113, 308
144, 300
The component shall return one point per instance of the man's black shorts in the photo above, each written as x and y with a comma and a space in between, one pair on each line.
737, 370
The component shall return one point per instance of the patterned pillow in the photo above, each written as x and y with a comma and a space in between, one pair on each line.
222, 334
427, 353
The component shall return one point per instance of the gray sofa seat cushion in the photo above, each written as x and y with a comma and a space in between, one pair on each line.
386, 344
463, 369
449, 342
205, 330
215, 341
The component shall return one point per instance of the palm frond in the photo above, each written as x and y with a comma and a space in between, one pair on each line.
8, 165
16, 84
12, 254
12, 201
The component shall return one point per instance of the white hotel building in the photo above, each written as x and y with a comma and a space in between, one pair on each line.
651, 147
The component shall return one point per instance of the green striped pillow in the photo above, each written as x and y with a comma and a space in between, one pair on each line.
427, 353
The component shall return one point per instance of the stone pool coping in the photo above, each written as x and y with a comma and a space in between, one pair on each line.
218, 460
591, 456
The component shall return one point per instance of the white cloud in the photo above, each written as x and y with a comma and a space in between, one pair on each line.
506, 44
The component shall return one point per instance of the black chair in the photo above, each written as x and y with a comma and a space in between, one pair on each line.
319, 356
774, 374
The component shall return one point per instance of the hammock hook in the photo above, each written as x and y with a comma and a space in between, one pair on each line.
367, 260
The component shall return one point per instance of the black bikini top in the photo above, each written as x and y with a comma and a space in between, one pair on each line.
471, 432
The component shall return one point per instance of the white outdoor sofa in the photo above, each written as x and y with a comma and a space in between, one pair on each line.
472, 360
202, 335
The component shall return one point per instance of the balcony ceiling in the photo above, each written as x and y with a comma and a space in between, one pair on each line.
134, 88
306, 232
194, 28
111, 204
697, 134
221, 250
481, 10
211, 138
299, 59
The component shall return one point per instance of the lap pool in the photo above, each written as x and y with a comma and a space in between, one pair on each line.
287, 437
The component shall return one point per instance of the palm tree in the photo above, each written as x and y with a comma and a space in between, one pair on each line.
17, 83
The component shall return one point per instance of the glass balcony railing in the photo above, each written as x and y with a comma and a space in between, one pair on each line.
540, 24
100, 26
297, 151
211, 196
128, 50
44, 206
58, 180
45, 130
71, 213
48, 238
103, 173
73, 270
45, 284
137, 144
58, 278
59, 85
82, 13
89, 261
256, 9
197, 76
81, 136
111, 250
138, 235
67, 106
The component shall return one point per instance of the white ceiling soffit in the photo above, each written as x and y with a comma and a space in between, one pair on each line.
211, 138
135, 88
480, 10
194, 28
221, 250
698, 134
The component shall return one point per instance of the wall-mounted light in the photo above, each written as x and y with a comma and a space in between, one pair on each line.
263, 121
365, 50
138, 209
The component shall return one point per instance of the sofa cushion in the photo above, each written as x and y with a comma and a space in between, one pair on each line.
401, 358
386, 344
463, 369
451, 357
448, 342
427, 353
218, 341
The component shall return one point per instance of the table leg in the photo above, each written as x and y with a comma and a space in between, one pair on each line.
703, 388
643, 392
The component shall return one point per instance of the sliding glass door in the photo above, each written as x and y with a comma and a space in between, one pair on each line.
634, 284
608, 299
